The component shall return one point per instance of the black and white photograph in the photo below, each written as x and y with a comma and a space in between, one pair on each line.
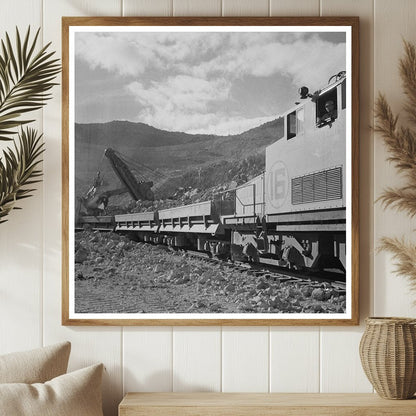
210, 172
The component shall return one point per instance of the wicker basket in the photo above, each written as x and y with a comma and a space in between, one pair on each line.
388, 356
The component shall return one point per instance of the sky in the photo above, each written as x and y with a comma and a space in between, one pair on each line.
199, 82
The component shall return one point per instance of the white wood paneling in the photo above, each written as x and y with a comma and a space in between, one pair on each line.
81, 8
20, 13
147, 359
197, 8
245, 359
147, 7
394, 21
294, 351
245, 8
341, 370
196, 359
89, 344
21, 237
294, 8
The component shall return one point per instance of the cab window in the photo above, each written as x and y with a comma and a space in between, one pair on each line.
326, 108
291, 125
295, 123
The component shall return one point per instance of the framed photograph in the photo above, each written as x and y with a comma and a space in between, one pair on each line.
210, 171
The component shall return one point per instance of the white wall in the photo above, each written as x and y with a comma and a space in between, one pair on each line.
281, 359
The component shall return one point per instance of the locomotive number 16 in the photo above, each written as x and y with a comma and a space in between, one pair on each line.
277, 184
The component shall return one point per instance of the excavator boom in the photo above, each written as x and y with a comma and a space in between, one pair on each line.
95, 202
137, 189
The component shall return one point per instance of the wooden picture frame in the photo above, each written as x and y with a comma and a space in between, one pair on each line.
301, 214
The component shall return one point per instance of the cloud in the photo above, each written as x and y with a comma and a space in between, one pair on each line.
202, 54
306, 61
190, 81
224, 125
189, 104
134, 53
119, 54
179, 103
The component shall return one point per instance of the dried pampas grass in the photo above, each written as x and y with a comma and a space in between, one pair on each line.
401, 144
405, 255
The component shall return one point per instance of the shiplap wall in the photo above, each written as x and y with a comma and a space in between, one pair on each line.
262, 359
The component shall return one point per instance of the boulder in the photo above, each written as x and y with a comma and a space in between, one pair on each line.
306, 291
318, 294
81, 255
229, 288
262, 285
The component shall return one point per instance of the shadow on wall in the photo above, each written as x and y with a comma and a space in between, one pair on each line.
160, 381
112, 394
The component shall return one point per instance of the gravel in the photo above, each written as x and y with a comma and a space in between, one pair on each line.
116, 275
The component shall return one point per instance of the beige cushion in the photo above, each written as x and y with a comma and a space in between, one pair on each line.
35, 366
72, 394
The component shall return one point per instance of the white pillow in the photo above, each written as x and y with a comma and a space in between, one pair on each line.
35, 366
73, 394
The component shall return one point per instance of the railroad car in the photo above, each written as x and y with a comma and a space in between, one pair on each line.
293, 214
300, 201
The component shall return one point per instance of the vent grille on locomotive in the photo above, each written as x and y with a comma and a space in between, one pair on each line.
320, 186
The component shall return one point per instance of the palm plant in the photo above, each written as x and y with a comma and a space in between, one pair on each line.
401, 142
26, 77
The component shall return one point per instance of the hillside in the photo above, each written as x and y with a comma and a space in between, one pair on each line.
175, 157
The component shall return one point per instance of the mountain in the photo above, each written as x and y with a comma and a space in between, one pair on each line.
129, 133
166, 152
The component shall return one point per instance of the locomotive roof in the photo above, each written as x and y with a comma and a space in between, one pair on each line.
332, 85
324, 90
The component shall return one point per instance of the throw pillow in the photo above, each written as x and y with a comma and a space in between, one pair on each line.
73, 394
35, 366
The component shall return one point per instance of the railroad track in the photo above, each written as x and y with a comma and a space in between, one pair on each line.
275, 273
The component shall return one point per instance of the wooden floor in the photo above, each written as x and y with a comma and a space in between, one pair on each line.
253, 404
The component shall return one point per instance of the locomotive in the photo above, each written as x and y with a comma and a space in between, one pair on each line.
292, 215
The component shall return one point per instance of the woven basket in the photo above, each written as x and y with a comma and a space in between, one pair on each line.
388, 356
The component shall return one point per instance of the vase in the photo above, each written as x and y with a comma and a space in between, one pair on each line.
388, 356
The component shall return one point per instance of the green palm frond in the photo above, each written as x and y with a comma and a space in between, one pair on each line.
26, 78
19, 170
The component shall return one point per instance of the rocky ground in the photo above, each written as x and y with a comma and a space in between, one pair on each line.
192, 186
116, 275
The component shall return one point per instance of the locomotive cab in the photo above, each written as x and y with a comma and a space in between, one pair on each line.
330, 102
326, 109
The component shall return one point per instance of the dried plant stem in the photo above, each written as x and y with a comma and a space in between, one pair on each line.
405, 255
401, 199
401, 143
